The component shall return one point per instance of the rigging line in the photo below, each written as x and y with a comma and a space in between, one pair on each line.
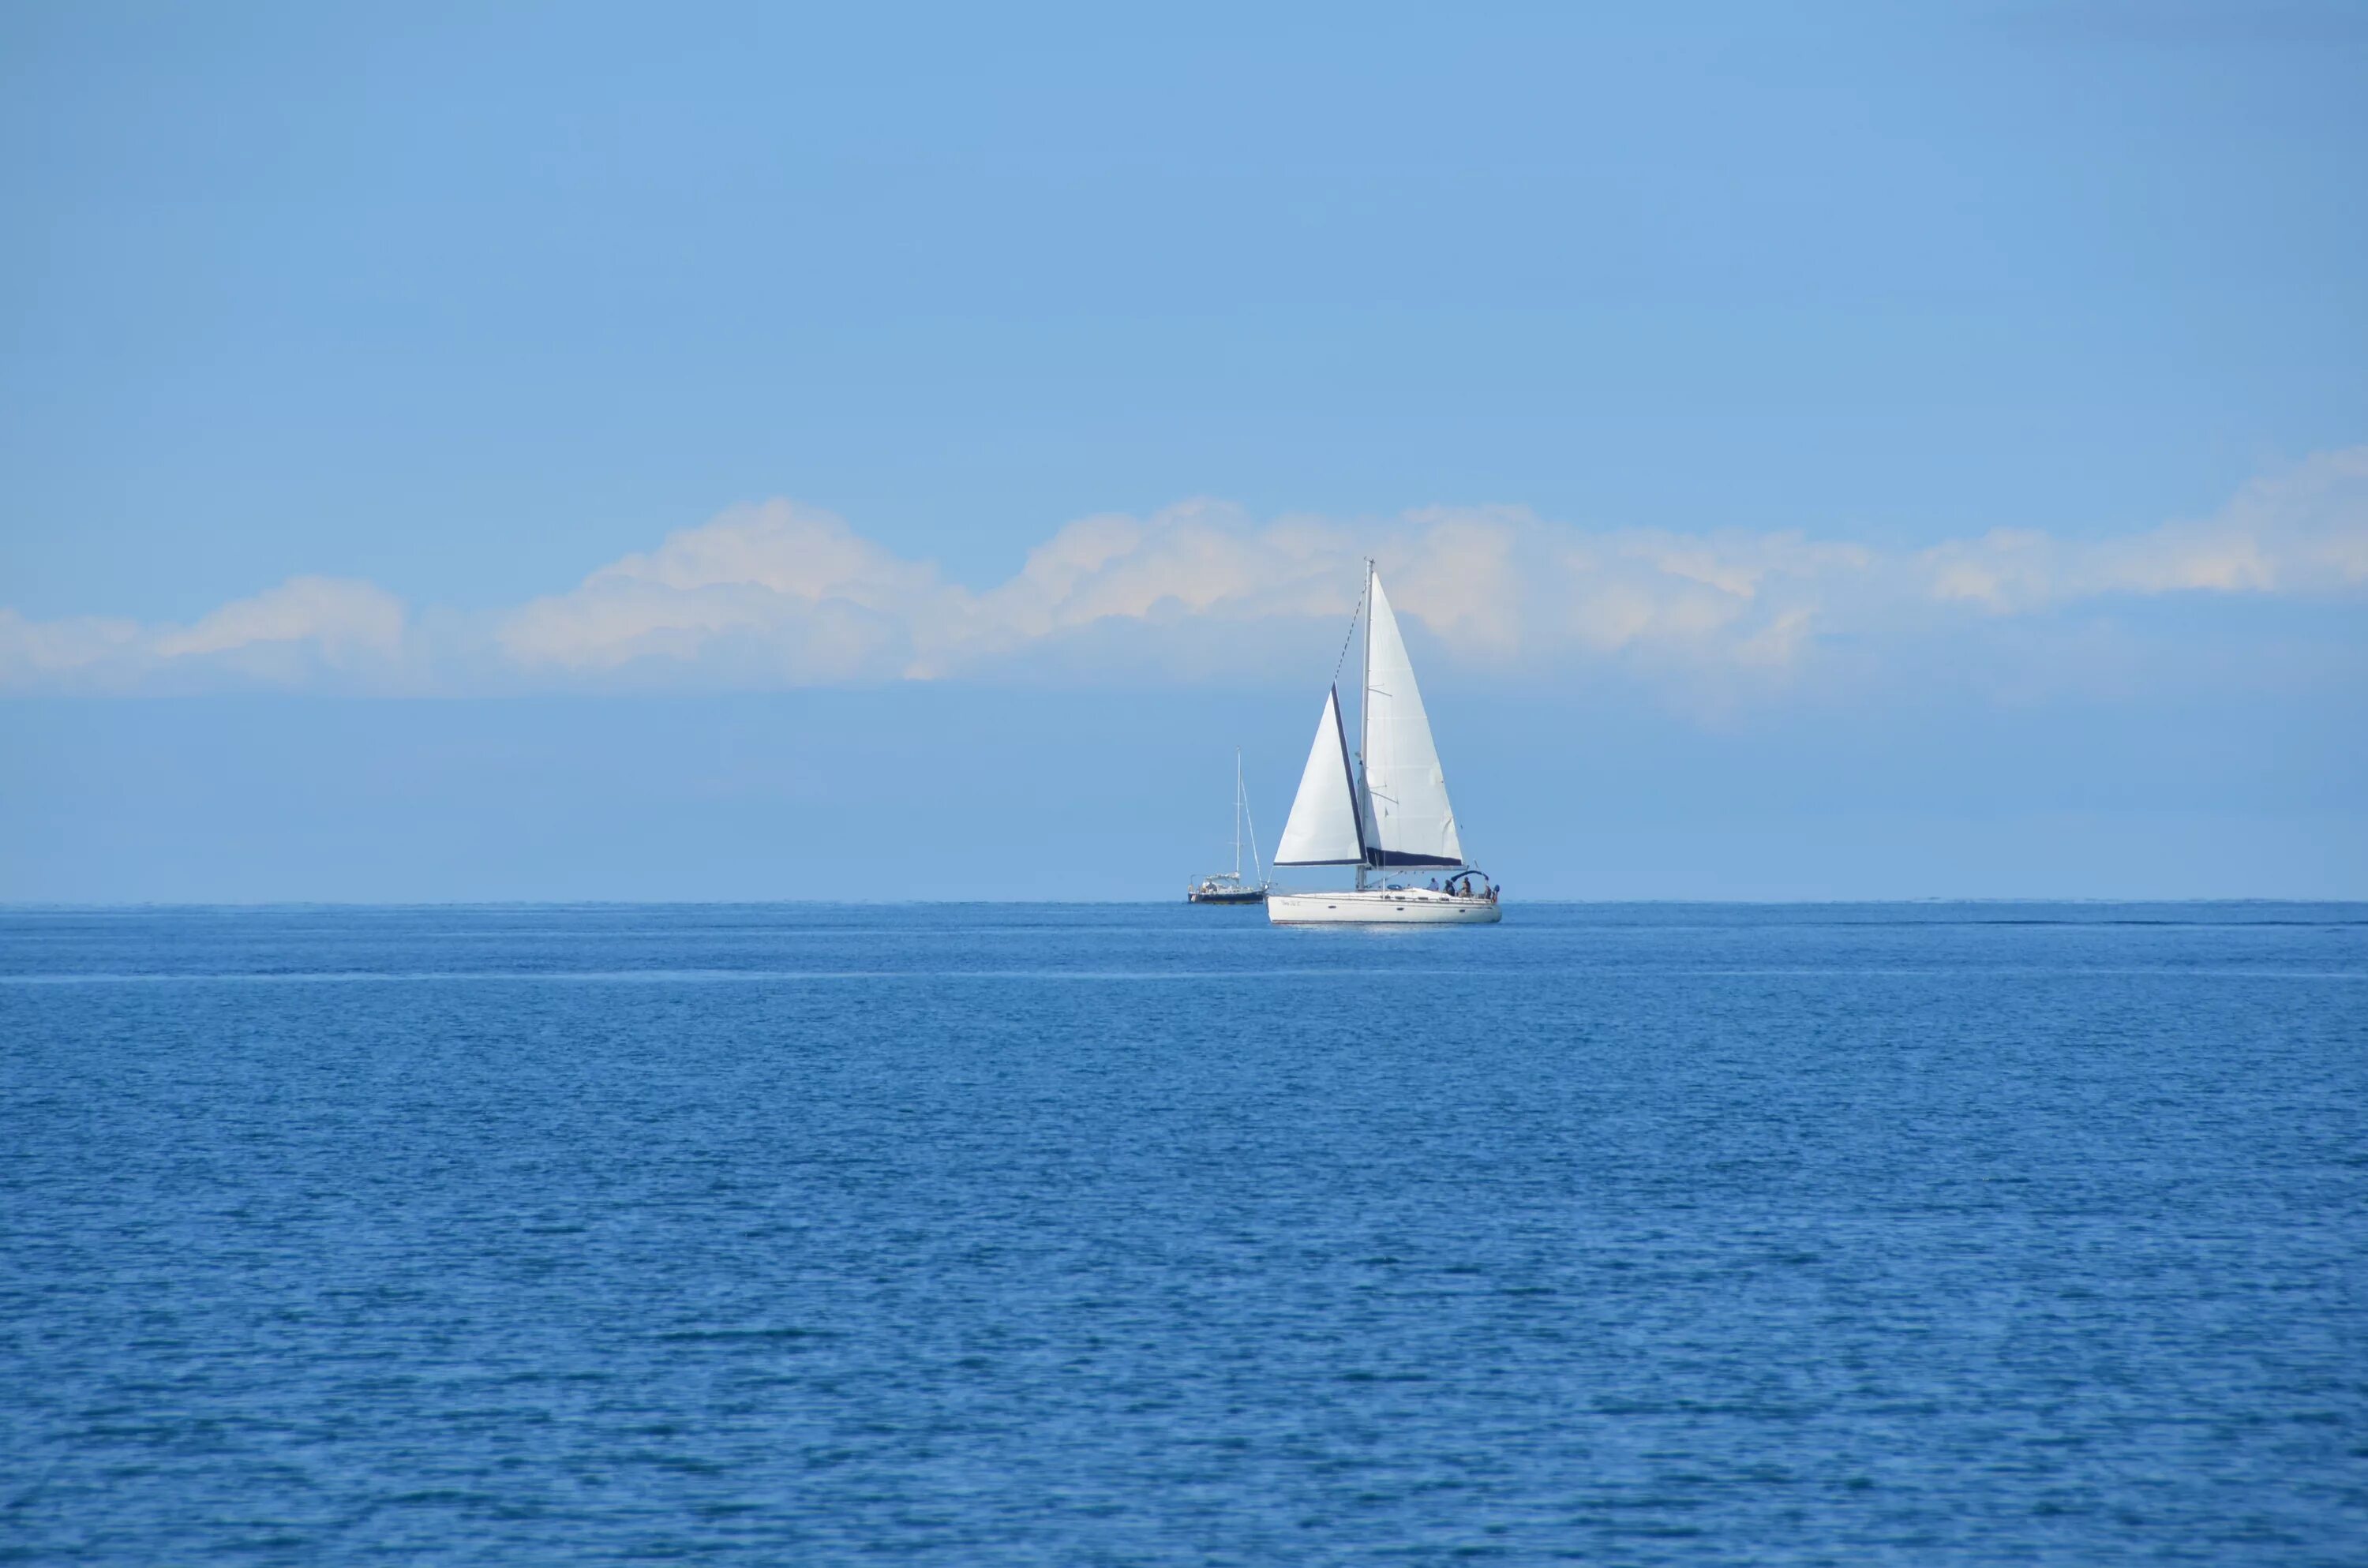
1342, 661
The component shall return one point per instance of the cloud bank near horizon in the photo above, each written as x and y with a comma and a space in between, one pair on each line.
779, 595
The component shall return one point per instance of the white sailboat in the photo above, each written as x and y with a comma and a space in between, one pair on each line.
1227, 887
1384, 810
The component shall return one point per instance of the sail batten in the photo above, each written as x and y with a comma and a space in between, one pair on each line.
1323, 829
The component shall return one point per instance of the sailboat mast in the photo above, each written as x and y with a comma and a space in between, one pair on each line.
1365, 720
1252, 820
1237, 813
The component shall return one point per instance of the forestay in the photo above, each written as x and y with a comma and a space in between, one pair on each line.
1323, 829
1410, 820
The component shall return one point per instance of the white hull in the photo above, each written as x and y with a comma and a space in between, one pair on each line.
1379, 906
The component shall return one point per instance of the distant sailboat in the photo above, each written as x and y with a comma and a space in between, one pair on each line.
1227, 887
1383, 810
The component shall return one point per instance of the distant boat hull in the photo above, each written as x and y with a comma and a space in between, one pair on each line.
1381, 906
1225, 895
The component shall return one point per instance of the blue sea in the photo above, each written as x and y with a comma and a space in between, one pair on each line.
978, 1234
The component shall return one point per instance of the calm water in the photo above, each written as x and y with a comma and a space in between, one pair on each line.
1111, 1235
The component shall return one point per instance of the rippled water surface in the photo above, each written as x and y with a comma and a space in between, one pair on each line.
1133, 1234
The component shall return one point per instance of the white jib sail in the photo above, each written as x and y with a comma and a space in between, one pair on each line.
1323, 826
1412, 822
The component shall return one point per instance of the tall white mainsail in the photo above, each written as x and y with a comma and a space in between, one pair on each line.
1409, 822
1323, 829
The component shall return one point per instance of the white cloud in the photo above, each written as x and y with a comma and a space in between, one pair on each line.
783, 594
340, 617
784, 591
299, 632
2301, 531
32, 652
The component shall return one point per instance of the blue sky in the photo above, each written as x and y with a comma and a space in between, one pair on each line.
1878, 450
